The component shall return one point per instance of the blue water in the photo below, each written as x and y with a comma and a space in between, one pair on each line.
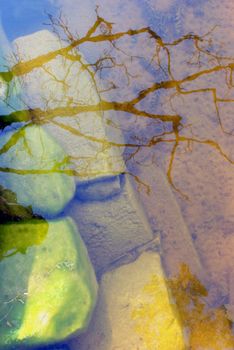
25, 16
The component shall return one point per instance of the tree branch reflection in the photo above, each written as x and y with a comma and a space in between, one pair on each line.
202, 54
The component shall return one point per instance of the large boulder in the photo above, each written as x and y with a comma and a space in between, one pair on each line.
135, 310
61, 84
36, 169
48, 288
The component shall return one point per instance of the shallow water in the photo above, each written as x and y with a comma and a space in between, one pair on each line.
153, 91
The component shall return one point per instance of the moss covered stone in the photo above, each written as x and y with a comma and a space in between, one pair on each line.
48, 288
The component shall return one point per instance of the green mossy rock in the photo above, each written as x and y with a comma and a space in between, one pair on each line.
36, 169
48, 288
10, 210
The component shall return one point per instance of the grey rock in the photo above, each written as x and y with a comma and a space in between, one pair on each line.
111, 227
165, 216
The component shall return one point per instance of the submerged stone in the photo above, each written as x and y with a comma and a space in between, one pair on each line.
48, 288
135, 310
65, 88
36, 169
111, 226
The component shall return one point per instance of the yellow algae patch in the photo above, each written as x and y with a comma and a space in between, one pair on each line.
134, 310
156, 320
207, 328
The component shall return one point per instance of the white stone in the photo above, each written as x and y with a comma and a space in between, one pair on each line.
64, 83
135, 311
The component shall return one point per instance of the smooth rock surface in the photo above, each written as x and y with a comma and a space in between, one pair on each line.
111, 227
135, 311
36, 169
48, 288
59, 86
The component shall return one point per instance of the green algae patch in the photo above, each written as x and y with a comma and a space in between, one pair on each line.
18, 237
48, 290
36, 169
10, 210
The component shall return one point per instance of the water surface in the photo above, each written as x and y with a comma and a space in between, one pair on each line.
163, 72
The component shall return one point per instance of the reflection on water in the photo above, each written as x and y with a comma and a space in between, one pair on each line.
139, 89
